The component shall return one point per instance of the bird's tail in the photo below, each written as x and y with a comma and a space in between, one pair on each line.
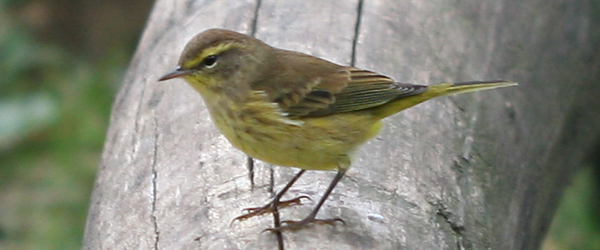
436, 90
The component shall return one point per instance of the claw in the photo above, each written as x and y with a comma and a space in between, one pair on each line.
295, 225
332, 222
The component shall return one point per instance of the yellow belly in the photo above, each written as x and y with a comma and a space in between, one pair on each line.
322, 143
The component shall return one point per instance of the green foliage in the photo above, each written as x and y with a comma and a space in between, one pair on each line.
576, 225
54, 111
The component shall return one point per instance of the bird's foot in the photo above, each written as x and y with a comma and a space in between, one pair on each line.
295, 225
270, 207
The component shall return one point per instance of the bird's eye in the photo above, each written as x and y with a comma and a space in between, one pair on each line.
210, 61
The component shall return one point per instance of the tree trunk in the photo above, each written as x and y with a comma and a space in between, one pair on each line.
476, 171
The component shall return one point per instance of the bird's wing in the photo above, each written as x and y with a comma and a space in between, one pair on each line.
347, 90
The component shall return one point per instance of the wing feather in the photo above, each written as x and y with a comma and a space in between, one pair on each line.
346, 90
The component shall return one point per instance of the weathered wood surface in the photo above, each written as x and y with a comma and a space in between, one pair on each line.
478, 171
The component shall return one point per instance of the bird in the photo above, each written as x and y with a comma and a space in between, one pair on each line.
296, 110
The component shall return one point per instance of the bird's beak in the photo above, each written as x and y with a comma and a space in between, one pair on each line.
177, 72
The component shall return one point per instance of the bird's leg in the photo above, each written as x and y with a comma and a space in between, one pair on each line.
311, 218
275, 202
277, 223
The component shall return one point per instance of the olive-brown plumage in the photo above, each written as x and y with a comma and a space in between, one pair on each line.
293, 109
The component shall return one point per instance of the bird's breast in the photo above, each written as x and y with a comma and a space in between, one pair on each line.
262, 131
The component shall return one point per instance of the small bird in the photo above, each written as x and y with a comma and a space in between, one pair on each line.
295, 110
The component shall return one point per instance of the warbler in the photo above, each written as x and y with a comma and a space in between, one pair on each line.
295, 110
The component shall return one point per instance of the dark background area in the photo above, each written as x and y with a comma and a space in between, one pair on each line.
62, 63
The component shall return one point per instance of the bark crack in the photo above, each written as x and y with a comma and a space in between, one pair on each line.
254, 24
457, 228
359, 10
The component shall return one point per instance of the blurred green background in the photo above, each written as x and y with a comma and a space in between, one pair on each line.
62, 63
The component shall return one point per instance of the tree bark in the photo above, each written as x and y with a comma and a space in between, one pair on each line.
476, 171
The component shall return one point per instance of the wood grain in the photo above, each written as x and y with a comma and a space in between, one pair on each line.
477, 171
